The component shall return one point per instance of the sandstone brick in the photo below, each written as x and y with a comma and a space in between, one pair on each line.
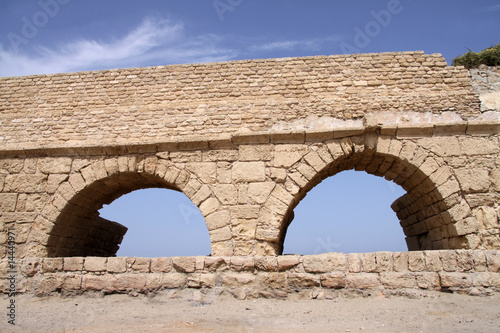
129, 281
259, 192
184, 264
226, 193
97, 282
218, 220
362, 280
54, 165
73, 264
255, 152
325, 263
95, 264
287, 155
51, 265
248, 172
116, 265
300, 281
174, 280
396, 280
287, 262
333, 280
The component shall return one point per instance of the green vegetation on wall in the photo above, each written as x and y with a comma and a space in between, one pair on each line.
488, 57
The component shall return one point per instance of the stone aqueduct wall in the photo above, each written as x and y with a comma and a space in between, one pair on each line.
317, 276
246, 141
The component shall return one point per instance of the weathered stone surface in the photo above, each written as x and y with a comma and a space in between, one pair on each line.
249, 172
95, 264
287, 155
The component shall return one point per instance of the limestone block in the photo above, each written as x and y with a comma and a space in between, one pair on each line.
244, 230
226, 193
384, 261
72, 282
220, 155
428, 280
455, 280
201, 280
307, 171
209, 206
111, 166
248, 172
25, 183
487, 217
117, 265
201, 195
239, 264
473, 180
266, 264
245, 211
161, 265
465, 261
300, 281
129, 281
237, 279
97, 282
8, 202
494, 178
432, 261
325, 263
51, 265
493, 260
216, 264
154, 281
95, 264
287, 155
315, 160
369, 262
49, 283
259, 192
174, 280
49, 165
333, 280
73, 264
273, 281
218, 220
288, 262
77, 182
478, 146
255, 152
279, 175
206, 171
184, 264
416, 261
395, 280
353, 262
11, 165
463, 227
449, 260
362, 280
139, 264
221, 234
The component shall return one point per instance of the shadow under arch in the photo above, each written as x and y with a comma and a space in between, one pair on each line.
425, 211
80, 231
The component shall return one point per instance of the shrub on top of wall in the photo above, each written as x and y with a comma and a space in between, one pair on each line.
488, 57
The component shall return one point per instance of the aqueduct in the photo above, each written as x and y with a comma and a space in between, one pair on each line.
246, 141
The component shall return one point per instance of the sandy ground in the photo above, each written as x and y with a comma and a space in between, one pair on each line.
437, 312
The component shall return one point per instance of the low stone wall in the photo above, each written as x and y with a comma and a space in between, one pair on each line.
476, 272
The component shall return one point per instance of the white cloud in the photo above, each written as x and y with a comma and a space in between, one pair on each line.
493, 8
154, 42
314, 44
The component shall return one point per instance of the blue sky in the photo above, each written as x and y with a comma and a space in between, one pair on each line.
53, 36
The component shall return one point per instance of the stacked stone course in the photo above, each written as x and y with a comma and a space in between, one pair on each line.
318, 276
149, 104
246, 141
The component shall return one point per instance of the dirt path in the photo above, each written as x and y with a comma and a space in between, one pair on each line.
122, 313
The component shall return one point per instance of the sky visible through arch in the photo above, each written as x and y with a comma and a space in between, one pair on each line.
54, 36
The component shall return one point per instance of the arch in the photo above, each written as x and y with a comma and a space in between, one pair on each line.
350, 213
70, 224
432, 213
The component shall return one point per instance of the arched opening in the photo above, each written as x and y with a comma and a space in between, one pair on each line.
160, 223
79, 230
349, 212
431, 213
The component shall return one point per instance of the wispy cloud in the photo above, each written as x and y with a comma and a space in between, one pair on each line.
315, 44
154, 42
493, 8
